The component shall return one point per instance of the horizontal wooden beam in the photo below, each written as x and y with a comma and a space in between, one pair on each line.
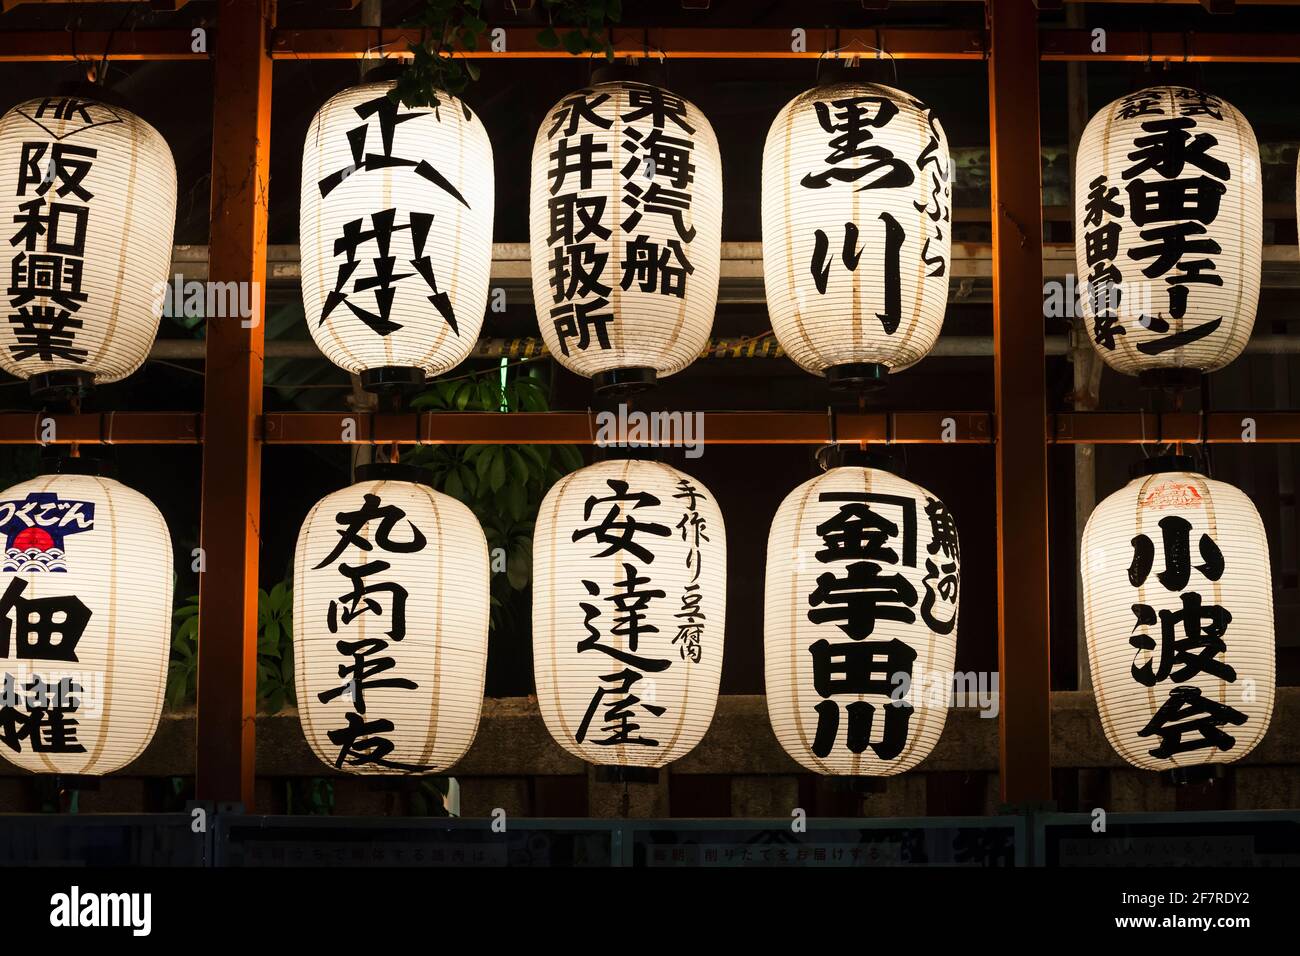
1111, 46
719, 428
580, 428
17, 46
1139, 428
779, 43
34, 46
512, 741
106, 428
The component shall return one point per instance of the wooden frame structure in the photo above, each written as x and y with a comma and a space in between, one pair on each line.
233, 428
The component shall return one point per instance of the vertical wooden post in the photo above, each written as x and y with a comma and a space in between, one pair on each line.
1021, 404
232, 401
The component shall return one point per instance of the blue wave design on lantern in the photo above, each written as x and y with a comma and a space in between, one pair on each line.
34, 559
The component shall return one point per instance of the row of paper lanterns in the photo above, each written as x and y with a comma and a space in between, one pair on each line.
391, 582
396, 222
861, 596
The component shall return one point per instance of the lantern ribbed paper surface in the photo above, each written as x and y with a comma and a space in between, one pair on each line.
396, 231
85, 623
88, 205
625, 229
860, 622
629, 599
390, 619
1178, 603
1168, 211
856, 227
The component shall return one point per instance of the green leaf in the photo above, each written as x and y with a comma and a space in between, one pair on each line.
483, 464
547, 38
519, 564
516, 499
453, 485
497, 476
574, 42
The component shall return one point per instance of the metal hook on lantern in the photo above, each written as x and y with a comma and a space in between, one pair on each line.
854, 60
629, 57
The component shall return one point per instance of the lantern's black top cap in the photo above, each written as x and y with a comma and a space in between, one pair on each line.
385, 72
93, 91
67, 465
1158, 464
643, 71
392, 471
866, 69
850, 455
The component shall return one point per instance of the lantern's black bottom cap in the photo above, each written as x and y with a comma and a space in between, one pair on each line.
623, 381
394, 471
609, 774
1159, 464
861, 785
72, 781
848, 454
1169, 379
65, 383
393, 378
1202, 773
857, 376
56, 464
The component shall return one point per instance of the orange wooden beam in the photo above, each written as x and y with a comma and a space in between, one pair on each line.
1170, 46
672, 42
1020, 390
580, 428
675, 43
30, 46
720, 428
106, 428
231, 493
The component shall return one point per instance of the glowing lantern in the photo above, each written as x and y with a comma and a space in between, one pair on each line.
629, 601
860, 622
390, 621
1168, 212
857, 210
85, 620
1178, 614
625, 230
88, 202
396, 234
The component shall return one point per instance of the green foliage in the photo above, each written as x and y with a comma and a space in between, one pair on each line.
452, 26
502, 484
586, 21
274, 651
449, 26
309, 795
426, 799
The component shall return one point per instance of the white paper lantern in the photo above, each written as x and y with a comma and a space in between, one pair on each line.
625, 232
396, 234
629, 602
1168, 214
1178, 610
860, 622
857, 230
88, 205
85, 622
390, 622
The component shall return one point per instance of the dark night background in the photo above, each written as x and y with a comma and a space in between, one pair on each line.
740, 98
